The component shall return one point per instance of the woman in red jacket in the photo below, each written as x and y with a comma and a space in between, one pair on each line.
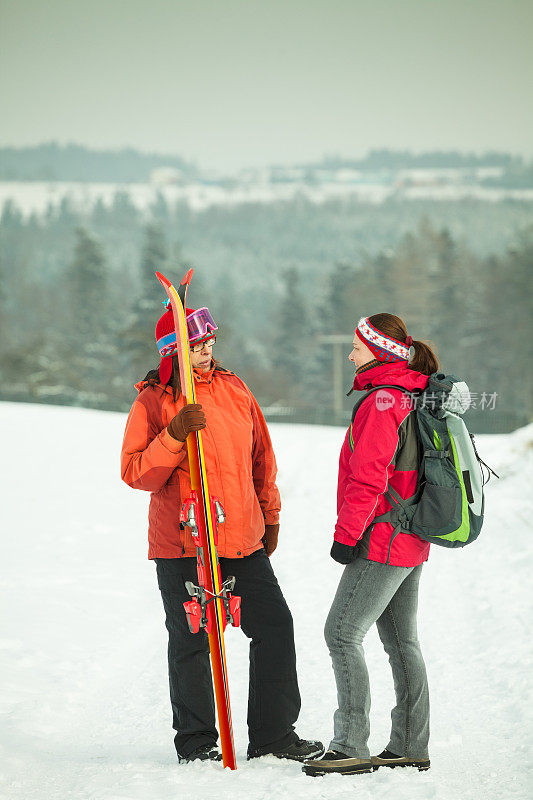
380, 580
241, 470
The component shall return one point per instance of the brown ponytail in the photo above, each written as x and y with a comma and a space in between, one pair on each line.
425, 360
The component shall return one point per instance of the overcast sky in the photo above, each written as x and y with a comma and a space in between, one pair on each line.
232, 83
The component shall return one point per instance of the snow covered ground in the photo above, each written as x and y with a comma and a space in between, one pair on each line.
85, 711
36, 196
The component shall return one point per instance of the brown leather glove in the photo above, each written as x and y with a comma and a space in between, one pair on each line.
189, 418
270, 539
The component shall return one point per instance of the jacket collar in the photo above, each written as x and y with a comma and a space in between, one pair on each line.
204, 377
200, 377
393, 372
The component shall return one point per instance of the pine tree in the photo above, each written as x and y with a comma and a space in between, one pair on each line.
504, 349
87, 280
89, 353
445, 288
153, 259
411, 283
292, 338
148, 306
342, 299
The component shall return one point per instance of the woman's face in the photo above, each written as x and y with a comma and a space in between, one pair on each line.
360, 354
202, 359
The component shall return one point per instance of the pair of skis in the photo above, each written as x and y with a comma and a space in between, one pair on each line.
212, 605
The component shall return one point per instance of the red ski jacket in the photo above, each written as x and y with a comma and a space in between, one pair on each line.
380, 449
240, 463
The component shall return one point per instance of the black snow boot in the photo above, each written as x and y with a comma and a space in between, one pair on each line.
299, 750
206, 752
388, 759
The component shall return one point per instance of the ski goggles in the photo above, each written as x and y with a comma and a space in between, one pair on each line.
200, 324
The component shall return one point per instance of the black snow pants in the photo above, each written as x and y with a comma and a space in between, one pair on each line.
273, 696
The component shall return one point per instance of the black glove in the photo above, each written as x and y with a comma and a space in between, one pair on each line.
342, 553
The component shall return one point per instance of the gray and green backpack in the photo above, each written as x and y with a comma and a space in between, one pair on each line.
447, 506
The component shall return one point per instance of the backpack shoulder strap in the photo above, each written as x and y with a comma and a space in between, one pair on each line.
413, 393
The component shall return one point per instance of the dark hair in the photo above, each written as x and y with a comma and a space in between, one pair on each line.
174, 381
425, 360
152, 377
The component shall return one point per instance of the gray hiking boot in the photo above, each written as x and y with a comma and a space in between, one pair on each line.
335, 762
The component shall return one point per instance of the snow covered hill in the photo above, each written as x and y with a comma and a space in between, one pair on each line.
85, 711
37, 196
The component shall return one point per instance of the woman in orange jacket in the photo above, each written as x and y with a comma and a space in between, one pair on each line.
241, 471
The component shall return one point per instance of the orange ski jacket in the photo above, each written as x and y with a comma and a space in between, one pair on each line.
240, 463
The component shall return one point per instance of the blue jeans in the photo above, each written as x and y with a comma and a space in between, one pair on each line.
371, 592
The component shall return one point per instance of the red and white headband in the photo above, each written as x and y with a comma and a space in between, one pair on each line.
385, 348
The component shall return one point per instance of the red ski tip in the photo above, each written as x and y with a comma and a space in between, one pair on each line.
187, 278
161, 278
